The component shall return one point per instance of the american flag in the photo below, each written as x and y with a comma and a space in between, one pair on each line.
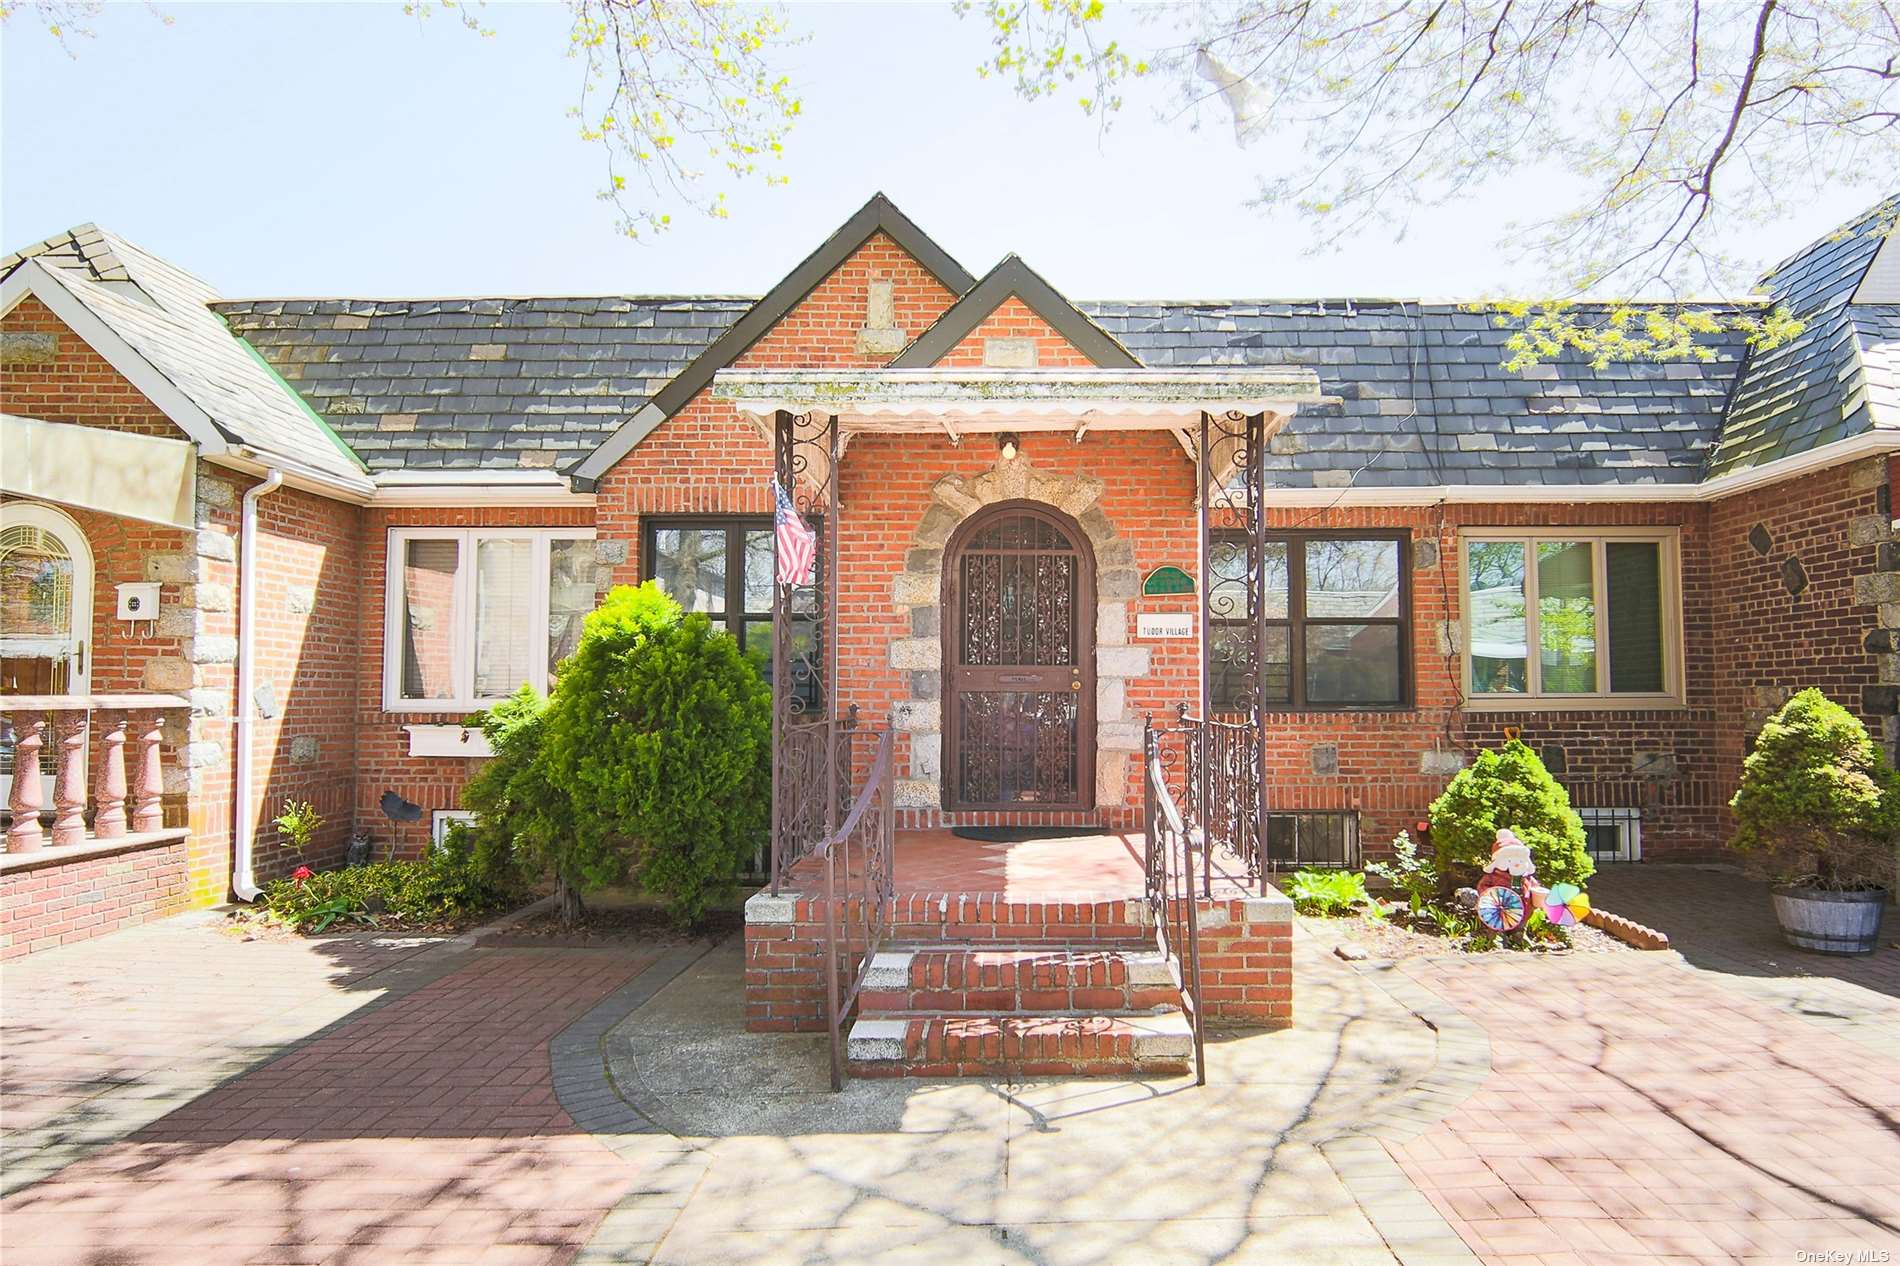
797, 543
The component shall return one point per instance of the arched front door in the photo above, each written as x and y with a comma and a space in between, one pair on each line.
1019, 662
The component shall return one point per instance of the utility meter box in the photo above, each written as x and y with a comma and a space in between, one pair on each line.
138, 600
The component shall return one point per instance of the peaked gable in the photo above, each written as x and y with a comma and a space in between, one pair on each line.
878, 216
1013, 279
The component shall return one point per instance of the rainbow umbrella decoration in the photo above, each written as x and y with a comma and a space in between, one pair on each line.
1566, 904
1501, 909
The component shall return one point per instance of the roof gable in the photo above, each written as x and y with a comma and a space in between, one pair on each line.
1013, 279
1828, 382
154, 324
879, 215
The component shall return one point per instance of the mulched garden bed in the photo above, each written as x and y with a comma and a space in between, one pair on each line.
1387, 940
613, 926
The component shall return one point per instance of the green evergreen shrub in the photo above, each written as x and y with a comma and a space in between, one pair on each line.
1509, 787
650, 760
1818, 802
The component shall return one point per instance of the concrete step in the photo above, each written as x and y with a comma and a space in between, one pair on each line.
1063, 1045
986, 978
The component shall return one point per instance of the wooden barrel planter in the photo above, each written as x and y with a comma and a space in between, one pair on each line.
1830, 922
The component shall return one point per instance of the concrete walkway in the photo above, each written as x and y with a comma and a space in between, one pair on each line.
1272, 1161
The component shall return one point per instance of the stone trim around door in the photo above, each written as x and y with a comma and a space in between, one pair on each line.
918, 590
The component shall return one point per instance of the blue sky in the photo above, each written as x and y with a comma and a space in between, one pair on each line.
302, 149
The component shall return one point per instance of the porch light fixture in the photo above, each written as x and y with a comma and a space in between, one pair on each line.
1007, 443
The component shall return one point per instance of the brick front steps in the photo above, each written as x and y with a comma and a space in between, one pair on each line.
975, 984
1020, 1045
947, 1009
1019, 978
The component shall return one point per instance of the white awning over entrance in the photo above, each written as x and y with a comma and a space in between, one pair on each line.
145, 477
956, 401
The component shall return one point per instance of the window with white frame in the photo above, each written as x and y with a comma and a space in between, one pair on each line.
474, 613
1557, 614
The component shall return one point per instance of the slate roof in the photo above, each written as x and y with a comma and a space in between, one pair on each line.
1424, 400
1815, 389
479, 383
162, 313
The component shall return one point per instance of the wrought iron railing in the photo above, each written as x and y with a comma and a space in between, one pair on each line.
859, 860
809, 802
1224, 792
1170, 888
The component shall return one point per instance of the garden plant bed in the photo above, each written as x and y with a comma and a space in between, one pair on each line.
1387, 940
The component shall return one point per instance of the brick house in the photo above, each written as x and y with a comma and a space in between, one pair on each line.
370, 517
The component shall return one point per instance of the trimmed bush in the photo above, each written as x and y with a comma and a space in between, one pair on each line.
1509, 787
651, 760
1818, 802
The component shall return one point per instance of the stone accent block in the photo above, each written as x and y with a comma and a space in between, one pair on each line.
213, 650
611, 552
917, 793
216, 545
916, 652
207, 597
1111, 624
917, 715
1877, 587
1122, 661
28, 348
171, 569
1867, 530
763, 907
304, 749
300, 599
167, 674
1439, 763
218, 492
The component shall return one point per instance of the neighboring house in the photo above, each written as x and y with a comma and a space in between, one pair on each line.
369, 518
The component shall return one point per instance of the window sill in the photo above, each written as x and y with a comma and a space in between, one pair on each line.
1598, 703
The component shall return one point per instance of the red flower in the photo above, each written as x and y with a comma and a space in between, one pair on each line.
300, 874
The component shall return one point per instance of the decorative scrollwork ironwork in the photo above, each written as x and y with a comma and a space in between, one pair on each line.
1227, 750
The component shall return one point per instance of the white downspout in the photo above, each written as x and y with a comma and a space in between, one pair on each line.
243, 873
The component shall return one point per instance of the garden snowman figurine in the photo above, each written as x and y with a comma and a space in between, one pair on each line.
1504, 893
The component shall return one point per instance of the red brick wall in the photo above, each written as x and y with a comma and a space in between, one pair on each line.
1014, 319
59, 903
707, 460
1772, 642
309, 572
78, 385
381, 750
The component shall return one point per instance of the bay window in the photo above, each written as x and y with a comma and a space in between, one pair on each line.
472, 614
1557, 614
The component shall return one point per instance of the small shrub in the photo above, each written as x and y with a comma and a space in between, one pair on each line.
1414, 878
1818, 802
453, 882
298, 823
1509, 787
1328, 892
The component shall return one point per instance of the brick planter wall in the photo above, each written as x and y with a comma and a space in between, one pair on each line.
60, 896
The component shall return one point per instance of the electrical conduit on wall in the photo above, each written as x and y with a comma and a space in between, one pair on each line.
243, 872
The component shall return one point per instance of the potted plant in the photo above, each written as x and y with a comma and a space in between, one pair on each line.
1818, 813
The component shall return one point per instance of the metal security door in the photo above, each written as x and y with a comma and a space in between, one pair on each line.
1019, 662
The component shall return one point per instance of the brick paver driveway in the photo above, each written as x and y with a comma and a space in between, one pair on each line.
1644, 1108
423, 1129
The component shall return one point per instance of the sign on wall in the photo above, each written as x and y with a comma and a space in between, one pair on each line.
1181, 625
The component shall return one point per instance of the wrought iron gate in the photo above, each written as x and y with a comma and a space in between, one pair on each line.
1019, 661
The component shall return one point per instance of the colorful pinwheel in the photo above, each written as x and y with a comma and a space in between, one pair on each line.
1501, 909
1566, 904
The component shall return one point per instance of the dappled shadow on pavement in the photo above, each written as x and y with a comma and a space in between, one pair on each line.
1089, 1172
1639, 1107
1722, 921
423, 1130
